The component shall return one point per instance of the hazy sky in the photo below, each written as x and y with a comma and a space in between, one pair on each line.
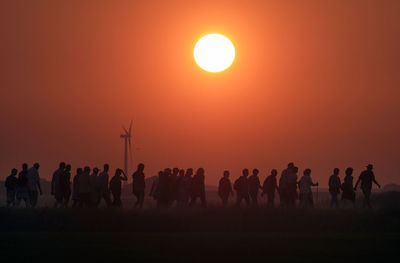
314, 82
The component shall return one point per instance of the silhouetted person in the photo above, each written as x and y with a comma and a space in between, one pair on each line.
348, 188
94, 187
155, 189
198, 188
334, 187
366, 178
242, 188
292, 186
163, 188
173, 186
22, 189
55, 184
185, 185
75, 187
85, 189
11, 185
283, 189
115, 186
269, 187
305, 183
65, 186
254, 186
225, 188
34, 184
104, 192
139, 185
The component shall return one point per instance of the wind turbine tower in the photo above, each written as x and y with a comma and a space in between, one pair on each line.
127, 135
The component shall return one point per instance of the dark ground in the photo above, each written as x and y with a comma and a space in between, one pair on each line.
198, 235
214, 234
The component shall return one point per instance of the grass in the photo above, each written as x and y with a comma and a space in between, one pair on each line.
214, 234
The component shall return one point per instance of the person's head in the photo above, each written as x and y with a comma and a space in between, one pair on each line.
106, 167
95, 170
140, 167
118, 172
68, 167
349, 171
336, 171
295, 169
255, 171
86, 169
167, 171
160, 174
14, 171
79, 170
274, 172
36, 165
62, 165
24, 166
290, 165
307, 172
175, 171
370, 167
181, 172
200, 171
189, 172
245, 172
226, 173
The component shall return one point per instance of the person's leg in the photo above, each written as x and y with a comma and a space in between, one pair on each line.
141, 199
238, 199
247, 199
203, 199
27, 200
311, 200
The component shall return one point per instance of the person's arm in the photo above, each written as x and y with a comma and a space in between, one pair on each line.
358, 181
374, 180
52, 185
40, 188
124, 178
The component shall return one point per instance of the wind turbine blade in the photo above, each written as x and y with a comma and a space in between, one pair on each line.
130, 151
125, 130
130, 128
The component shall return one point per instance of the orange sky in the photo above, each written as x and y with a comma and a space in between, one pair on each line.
314, 82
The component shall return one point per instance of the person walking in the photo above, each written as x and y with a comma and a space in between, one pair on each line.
367, 177
139, 185
306, 196
11, 185
348, 188
254, 186
75, 188
198, 188
242, 188
104, 192
185, 185
55, 184
225, 188
22, 189
115, 186
34, 184
65, 186
85, 188
334, 187
269, 187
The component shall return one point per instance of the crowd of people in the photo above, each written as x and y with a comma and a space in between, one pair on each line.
180, 188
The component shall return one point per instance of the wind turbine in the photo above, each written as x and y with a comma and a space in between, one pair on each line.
127, 140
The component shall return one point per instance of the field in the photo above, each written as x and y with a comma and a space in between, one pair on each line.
214, 234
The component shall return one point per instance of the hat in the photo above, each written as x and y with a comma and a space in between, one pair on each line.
370, 166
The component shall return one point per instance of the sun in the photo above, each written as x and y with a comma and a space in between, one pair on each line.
214, 53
